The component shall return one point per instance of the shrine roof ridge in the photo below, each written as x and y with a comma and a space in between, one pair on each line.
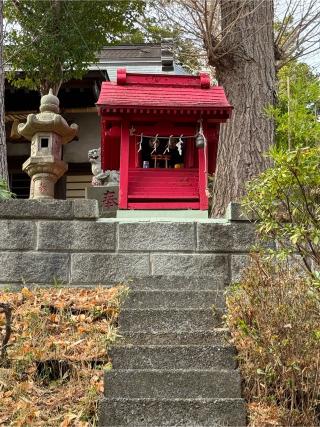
162, 91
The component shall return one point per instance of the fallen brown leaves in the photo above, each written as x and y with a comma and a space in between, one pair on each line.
53, 372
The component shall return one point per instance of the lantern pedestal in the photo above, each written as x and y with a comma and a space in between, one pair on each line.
44, 174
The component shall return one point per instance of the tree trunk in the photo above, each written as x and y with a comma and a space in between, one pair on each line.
246, 70
3, 143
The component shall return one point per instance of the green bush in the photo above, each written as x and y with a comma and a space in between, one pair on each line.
285, 200
274, 319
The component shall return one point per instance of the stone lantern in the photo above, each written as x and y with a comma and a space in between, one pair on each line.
47, 131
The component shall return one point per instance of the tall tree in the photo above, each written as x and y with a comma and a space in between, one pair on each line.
3, 146
245, 67
245, 48
52, 41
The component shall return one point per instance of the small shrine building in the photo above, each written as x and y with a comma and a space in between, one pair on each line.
162, 133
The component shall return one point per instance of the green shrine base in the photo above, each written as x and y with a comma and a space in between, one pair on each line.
162, 214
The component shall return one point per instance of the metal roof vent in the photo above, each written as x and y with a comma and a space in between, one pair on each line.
167, 55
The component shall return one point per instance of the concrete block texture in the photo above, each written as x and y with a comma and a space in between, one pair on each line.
172, 357
50, 209
170, 320
174, 299
156, 236
76, 235
228, 237
34, 267
17, 234
217, 336
85, 209
238, 265
172, 412
178, 383
171, 282
190, 265
94, 268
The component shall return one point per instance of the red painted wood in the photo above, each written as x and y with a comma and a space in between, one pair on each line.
204, 80
124, 166
110, 146
189, 156
163, 80
167, 128
167, 186
121, 76
164, 105
202, 180
164, 205
213, 138
146, 92
156, 196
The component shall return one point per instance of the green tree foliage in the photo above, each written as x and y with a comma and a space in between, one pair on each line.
286, 201
55, 40
297, 106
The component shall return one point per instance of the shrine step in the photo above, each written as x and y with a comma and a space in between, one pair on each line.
218, 336
175, 299
156, 383
169, 320
172, 357
172, 412
176, 283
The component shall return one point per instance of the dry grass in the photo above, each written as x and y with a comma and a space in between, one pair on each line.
274, 317
53, 372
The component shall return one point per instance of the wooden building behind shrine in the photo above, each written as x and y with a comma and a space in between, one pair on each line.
77, 101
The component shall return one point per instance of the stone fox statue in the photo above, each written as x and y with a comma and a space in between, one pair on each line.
100, 177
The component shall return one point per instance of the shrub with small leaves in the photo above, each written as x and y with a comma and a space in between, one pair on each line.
285, 200
274, 319
4, 190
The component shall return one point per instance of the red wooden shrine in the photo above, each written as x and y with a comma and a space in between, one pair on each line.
161, 132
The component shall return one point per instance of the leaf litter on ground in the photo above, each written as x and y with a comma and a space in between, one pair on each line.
52, 374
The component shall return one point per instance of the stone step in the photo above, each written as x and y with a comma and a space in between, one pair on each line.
177, 283
172, 357
218, 336
183, 384
168, 320
174, 299
172, 412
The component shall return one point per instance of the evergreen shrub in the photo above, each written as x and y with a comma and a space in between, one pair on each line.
285, 200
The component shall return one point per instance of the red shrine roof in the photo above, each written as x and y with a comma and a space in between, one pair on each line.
158, 91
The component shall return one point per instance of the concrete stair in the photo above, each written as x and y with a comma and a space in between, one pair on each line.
173, 365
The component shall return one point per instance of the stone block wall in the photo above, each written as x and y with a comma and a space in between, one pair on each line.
42, 242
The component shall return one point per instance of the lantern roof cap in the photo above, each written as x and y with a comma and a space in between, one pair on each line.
48, 120
49, 102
